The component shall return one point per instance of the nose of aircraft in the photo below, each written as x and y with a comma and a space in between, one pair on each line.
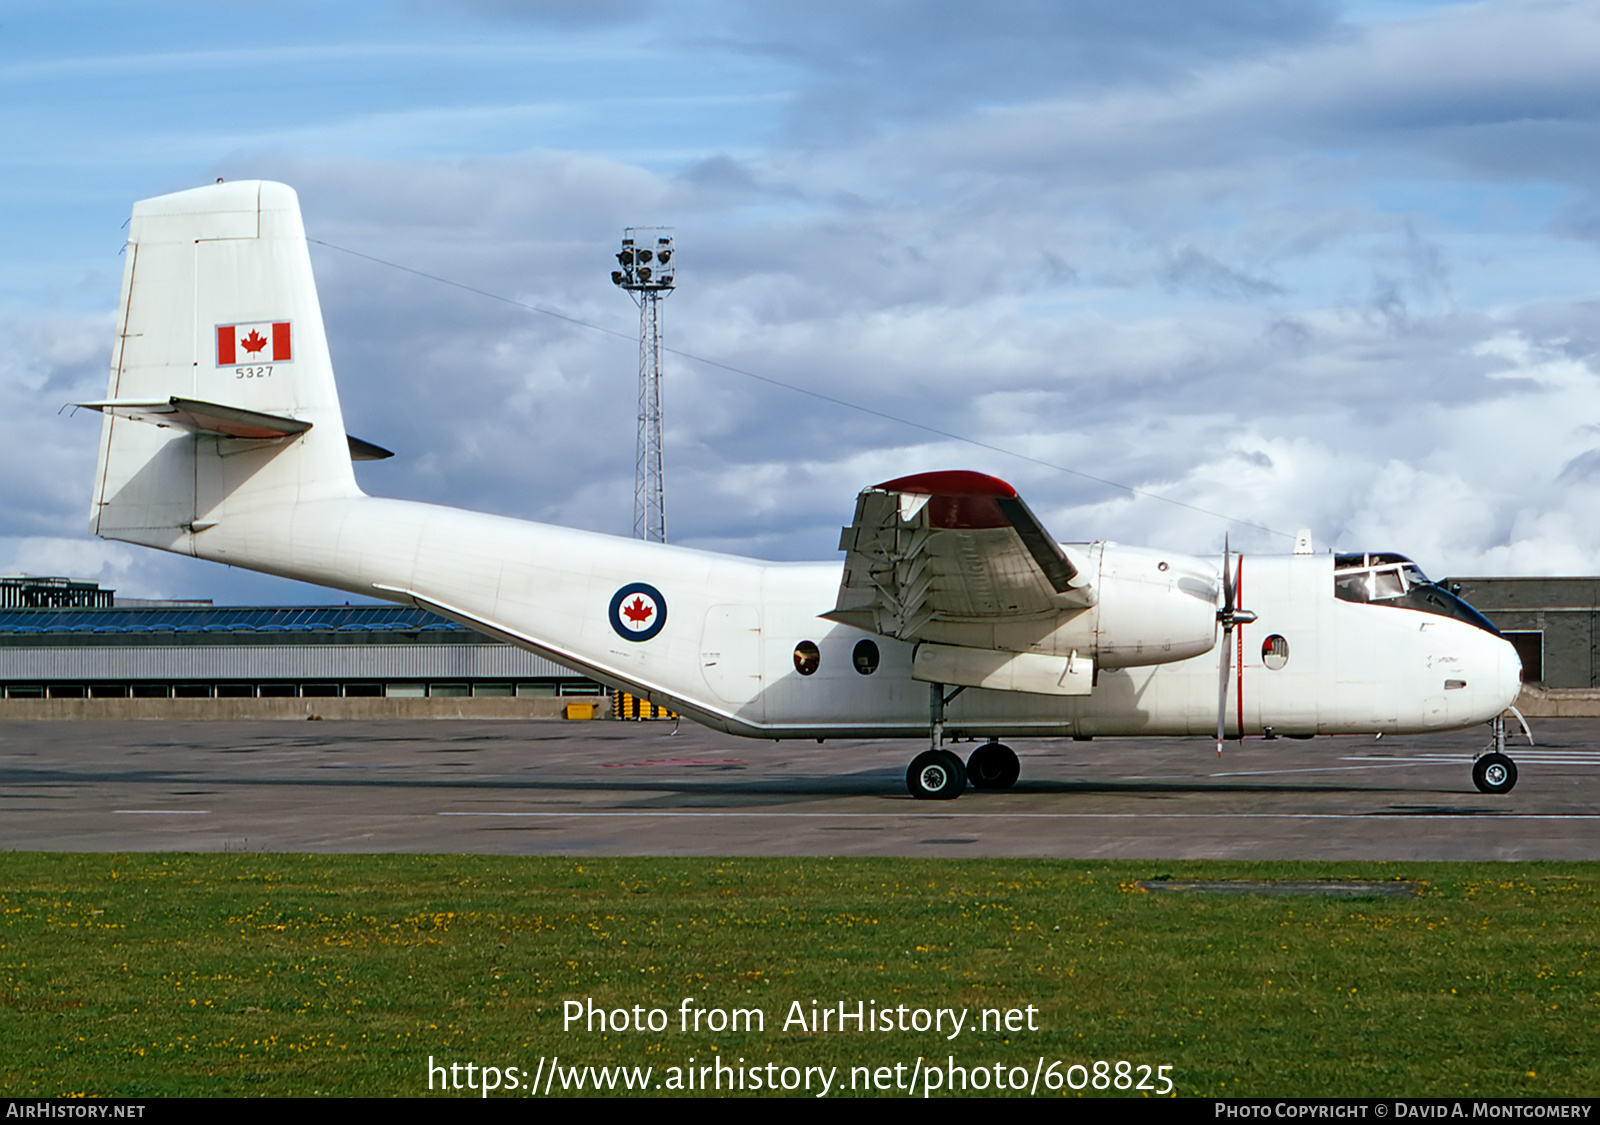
1495, 671
1508, 681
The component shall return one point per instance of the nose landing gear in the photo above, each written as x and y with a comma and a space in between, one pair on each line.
1493, 771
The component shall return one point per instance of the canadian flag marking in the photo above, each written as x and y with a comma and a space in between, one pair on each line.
262, 342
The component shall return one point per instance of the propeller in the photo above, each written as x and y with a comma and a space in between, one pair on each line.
1228, 616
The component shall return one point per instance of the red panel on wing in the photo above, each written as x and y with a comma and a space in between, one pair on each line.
959, 499
949, 482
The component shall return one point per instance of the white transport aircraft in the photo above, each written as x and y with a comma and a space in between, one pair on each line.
954, 614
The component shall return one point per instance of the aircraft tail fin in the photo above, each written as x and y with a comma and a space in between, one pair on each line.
221, 399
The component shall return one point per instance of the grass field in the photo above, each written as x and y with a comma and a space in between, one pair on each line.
152, 975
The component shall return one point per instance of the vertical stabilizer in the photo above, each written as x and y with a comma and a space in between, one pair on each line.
218, 307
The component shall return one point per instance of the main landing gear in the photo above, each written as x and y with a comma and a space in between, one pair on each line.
1493, 771
936, 774
993, 766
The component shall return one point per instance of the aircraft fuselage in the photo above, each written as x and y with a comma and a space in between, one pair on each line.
724, 651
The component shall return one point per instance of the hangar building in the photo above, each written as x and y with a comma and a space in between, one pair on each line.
1554, 624
73, 640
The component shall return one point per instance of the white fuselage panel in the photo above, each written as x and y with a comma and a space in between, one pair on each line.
725, 652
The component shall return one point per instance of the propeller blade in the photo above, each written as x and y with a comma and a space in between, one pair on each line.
1229, 616
1222, 685
1225, 619
1227, 577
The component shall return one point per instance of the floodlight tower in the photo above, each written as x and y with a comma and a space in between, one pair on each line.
647, 274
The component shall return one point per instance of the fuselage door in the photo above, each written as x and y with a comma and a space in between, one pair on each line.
730, 652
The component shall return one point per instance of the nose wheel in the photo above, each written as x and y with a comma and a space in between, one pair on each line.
1493, 771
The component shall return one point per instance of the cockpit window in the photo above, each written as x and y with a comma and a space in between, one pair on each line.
1371, 578
1389, 579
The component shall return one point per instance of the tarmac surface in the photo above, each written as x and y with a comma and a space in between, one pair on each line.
619, 788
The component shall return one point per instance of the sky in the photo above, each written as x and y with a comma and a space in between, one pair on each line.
1177, 271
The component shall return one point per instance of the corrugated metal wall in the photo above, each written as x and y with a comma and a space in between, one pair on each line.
1562, 614
275, 662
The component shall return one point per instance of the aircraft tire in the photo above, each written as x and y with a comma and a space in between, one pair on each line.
1494, 773
936, 775
993, 766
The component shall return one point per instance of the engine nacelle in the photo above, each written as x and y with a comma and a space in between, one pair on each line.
1155, 607
1152, 607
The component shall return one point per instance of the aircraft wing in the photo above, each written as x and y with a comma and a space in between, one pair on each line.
947, 548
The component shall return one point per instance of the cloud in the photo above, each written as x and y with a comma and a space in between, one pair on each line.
1192, 269
1244, 257
1582, 469
46, 362
557, 13
1501, 90
1354, 427
902, 59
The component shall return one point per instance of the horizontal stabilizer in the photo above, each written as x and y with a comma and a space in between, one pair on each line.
196, 417
366, 451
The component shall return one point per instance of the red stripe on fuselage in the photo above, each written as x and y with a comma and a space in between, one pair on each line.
1238, 599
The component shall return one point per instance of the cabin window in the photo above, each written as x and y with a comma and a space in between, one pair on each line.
1275, 652
807, 657
865, 657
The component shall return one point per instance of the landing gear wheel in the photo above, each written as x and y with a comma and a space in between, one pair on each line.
1494, 773
936, 775
993, 766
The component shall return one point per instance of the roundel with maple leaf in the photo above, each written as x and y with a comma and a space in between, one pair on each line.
638, 611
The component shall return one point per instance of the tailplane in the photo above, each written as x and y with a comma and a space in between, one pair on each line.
221, 400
